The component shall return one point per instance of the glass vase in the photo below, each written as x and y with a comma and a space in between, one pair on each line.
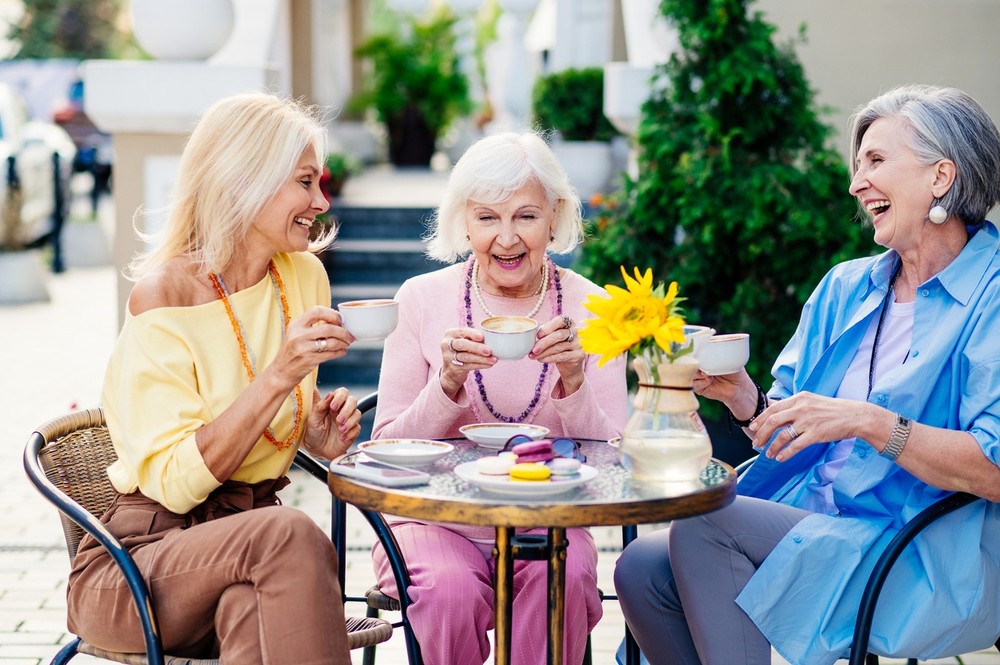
665, 439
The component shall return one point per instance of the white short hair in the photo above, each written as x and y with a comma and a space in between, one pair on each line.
491, 171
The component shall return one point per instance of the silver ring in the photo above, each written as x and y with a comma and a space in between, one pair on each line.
791, 430
571, 336
568, 322
456, 361
321, 345
451, 345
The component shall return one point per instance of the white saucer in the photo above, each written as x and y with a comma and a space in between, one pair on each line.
495, 435
504, 485
406, 452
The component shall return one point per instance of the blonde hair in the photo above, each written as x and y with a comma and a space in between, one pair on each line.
491, 171
243, 150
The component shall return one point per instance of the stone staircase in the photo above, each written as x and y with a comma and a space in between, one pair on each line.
377, 249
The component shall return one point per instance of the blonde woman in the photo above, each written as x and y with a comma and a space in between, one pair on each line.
210, 390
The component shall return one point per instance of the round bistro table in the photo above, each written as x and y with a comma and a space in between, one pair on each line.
612, 498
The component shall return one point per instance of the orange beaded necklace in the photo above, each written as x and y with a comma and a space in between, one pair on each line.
249, 361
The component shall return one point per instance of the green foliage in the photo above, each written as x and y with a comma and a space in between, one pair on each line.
415, 64
342, 166
79, 29
571, 102
738, 198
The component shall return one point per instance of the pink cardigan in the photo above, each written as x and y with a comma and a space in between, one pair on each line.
412, 404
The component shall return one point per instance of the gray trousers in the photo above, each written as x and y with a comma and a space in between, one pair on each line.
677, 587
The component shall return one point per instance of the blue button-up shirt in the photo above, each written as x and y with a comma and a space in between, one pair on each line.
942, 597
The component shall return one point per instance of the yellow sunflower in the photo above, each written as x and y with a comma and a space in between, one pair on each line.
636, 318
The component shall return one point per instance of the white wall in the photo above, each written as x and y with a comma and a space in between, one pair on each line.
859, 48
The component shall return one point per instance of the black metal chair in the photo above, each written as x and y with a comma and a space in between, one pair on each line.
66, 460
375, 600
866, 612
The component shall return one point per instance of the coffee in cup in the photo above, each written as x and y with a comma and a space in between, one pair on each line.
509, 337
369, 319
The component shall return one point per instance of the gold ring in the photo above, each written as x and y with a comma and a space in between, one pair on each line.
321, 345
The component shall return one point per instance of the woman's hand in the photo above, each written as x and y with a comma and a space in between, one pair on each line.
558, 343
806, 418
462, 351
313, 337
725, 388
333, 424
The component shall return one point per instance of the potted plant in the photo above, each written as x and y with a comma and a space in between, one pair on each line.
571, 104
337, 168
416, 86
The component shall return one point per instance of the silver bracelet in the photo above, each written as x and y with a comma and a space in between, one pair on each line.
900, 433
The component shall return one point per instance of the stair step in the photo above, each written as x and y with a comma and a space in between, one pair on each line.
375, 267
359, 222
343, 292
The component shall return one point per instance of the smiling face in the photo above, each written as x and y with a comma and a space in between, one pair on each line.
509, 240
284, 222
892, 185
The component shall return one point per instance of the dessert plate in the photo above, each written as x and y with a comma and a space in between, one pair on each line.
504, 485
495, 435
405, 452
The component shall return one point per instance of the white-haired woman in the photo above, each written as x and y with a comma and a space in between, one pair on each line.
508, 203
884, 402
210, 390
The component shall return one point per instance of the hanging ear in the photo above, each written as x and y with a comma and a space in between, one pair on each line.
944, 177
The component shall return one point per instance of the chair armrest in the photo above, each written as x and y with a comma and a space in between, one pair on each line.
910, 530
89, 523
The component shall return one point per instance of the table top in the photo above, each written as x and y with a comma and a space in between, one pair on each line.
612, 498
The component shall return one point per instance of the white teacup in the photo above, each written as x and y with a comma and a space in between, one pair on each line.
509, 337
724, 354
369, 319
697, 335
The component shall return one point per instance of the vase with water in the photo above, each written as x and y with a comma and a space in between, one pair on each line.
665, 439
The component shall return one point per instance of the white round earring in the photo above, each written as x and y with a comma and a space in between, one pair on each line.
938, 215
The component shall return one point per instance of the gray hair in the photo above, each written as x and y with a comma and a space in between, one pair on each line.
491, 171
949, 124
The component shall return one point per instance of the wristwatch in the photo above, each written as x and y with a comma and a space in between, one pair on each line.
900, 433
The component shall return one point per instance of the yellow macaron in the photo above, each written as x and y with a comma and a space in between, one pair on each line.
530, 471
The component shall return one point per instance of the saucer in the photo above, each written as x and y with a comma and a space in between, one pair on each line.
495, 435
405, 452
532, 489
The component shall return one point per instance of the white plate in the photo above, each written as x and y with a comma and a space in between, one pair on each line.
406, 452
495, 435
504, 485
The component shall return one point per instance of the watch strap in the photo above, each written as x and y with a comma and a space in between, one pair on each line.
900, 433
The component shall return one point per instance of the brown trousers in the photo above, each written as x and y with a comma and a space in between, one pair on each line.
239, 577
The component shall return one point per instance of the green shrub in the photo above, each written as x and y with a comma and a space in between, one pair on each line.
572, 102
739, 197
415, 65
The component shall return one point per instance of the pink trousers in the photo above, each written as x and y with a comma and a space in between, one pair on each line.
452, 596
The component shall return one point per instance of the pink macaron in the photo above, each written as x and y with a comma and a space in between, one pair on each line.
533, 451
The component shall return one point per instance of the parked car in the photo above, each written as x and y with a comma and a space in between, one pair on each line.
36, 159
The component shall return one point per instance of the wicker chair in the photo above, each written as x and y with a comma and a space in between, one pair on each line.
66, 460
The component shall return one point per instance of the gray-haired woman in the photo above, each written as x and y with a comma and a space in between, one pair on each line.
885, 400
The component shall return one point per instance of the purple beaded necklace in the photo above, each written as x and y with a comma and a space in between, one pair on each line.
545, 366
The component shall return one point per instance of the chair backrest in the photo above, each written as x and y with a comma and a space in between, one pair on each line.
75, 458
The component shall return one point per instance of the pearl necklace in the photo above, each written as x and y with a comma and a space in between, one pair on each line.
247, 354
543, 289
470, 281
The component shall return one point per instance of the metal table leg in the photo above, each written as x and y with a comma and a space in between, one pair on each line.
503, 598
557, 593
